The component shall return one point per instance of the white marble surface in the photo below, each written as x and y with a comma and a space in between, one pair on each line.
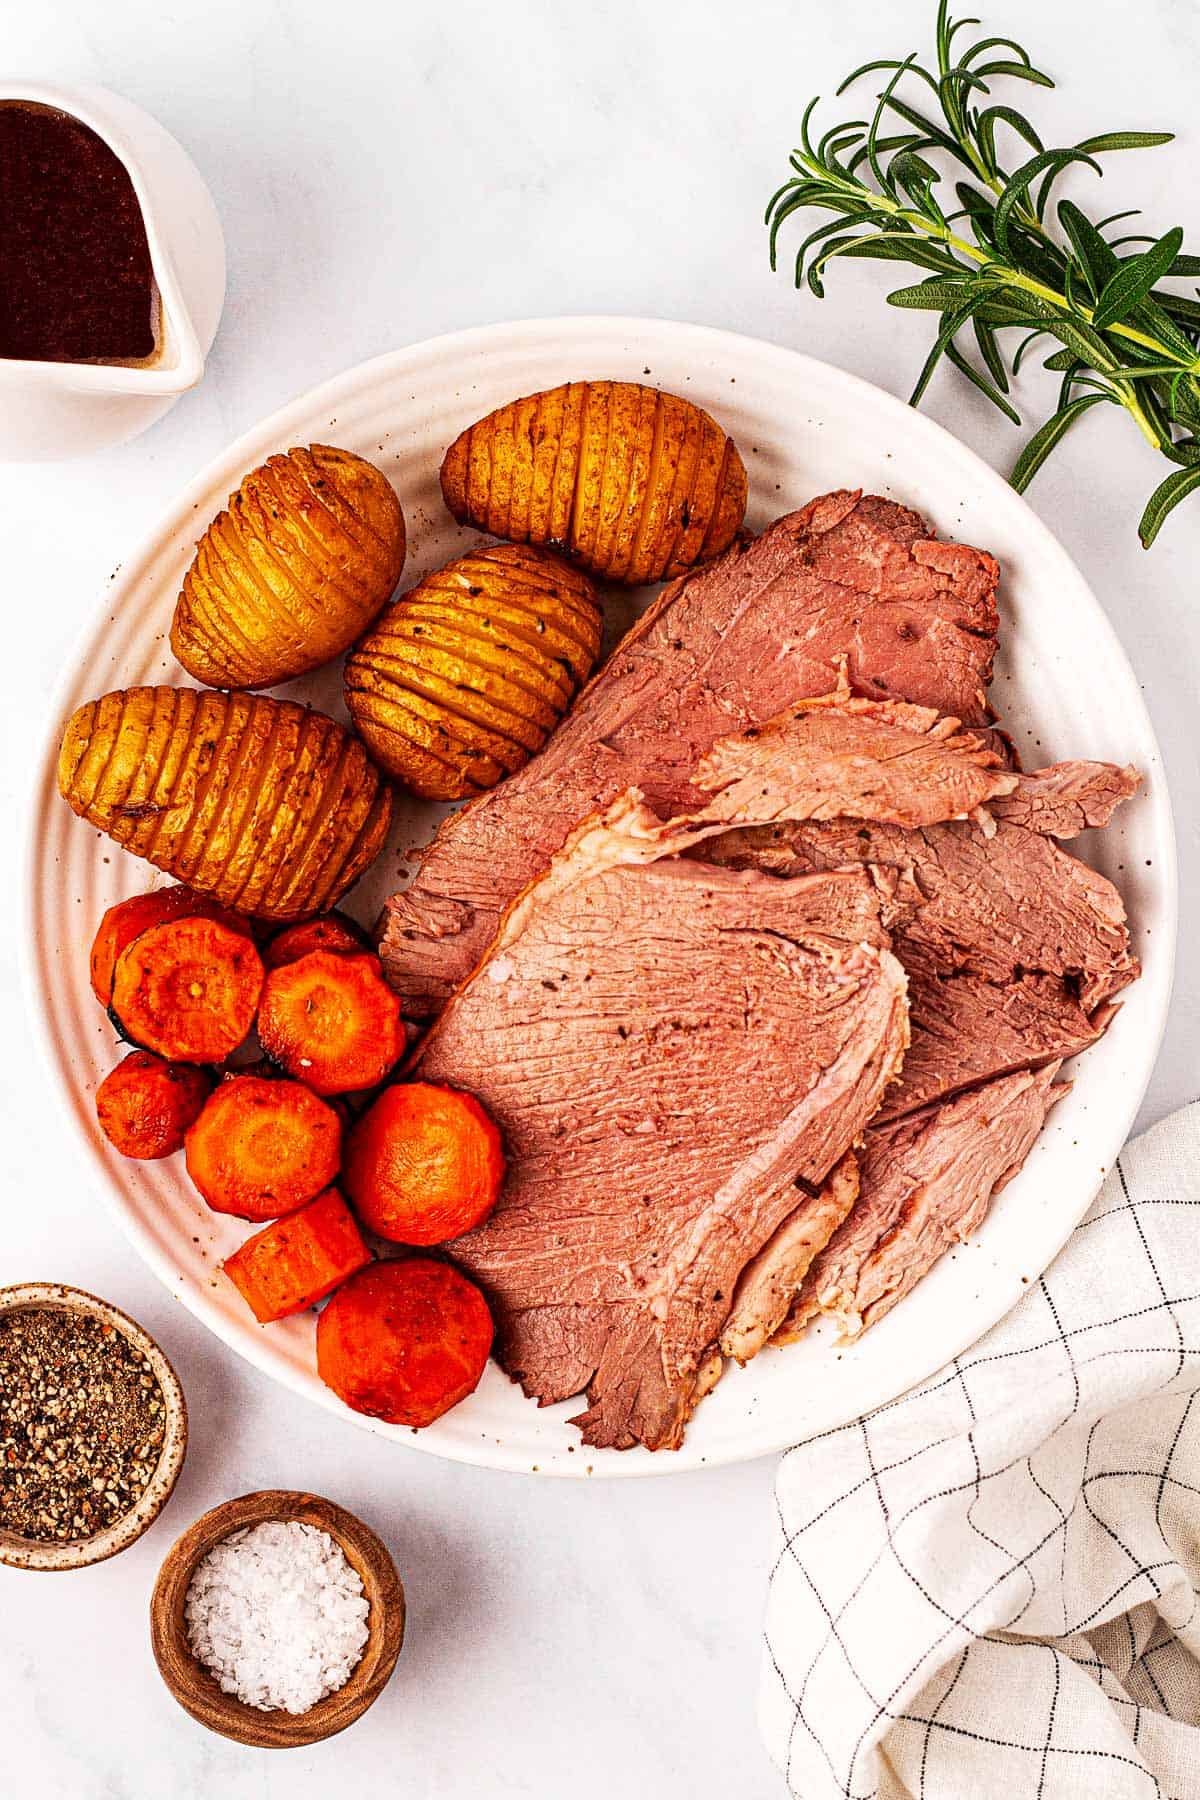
386, 172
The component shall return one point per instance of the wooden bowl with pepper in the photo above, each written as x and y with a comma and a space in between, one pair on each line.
93, 1428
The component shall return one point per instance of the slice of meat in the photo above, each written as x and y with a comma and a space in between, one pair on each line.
1014, 949
836, 756
770, 1280
994, 738
926, 1182
967, 1029
849, 578
1068, 797
667, 1047
994, 904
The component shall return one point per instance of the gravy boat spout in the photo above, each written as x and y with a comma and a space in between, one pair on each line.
59, 409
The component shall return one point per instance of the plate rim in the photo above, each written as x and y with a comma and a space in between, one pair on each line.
493, 1454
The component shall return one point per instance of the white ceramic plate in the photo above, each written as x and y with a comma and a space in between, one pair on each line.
1063, 687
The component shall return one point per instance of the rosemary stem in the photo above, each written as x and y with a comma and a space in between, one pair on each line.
1132, 405
1005, 275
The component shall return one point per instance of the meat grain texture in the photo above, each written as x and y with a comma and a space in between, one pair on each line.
838, 757
848, 581
1014, 949
673, 1053
926, 1182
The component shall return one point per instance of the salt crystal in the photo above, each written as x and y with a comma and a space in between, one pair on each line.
278, 1614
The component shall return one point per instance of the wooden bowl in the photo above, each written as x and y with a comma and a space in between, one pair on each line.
32, 1553
197, 1690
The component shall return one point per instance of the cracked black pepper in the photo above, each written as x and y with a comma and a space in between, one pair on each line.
81, 1424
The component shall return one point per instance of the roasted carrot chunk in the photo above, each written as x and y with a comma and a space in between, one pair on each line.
146, 1105
261, 1149
266, 1070
333, 932
290, 1265
404, 1340
188, 989
423, 1164
127, 920
331, 1020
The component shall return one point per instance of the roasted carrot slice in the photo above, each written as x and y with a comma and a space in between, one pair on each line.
146, 1105
331, 1020
266, 1070
333, 932
290, 1265
423, 1164
188, 989
263, 1148
127, 920
404, 1340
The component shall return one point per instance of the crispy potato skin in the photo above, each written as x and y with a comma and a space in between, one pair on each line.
462, 680
307, 551
633, 484
270, 808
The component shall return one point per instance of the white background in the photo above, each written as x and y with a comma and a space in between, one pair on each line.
384, 174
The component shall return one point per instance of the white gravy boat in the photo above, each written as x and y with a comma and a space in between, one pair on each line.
57, 409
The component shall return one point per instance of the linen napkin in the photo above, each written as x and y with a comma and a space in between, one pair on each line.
989, 1586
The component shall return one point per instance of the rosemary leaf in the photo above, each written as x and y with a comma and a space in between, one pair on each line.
1078, 336
1133, 280
1179, 306
926, 256
1094, 254
981, 381
1046, 437
930, 296
1165, 497
989, 349
985, 131
950, 325
1125, 140
1019, 353
1046, 162
1019, 71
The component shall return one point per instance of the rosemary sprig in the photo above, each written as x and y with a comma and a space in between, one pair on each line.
993, 262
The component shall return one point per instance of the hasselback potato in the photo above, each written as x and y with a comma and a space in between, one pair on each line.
270, 808
463, 679
307, 551
633, 484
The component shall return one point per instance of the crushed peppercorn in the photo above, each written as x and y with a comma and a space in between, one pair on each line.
82, 1420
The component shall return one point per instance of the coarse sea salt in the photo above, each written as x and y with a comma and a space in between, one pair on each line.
278, 1615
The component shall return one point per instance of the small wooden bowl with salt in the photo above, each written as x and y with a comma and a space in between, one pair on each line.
197, 1689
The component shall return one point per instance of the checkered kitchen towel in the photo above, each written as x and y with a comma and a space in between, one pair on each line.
989, 1587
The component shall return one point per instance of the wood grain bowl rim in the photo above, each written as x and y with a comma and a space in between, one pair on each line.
79, 1553
198, 1692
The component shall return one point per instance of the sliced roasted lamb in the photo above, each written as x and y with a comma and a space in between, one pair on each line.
667, 1047
770, 1281
926, 1182
849, 578
839, 757
1066, 798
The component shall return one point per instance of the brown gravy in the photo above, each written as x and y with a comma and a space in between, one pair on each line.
76, 281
